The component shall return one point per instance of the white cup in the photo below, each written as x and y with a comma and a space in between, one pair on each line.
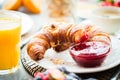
108, 18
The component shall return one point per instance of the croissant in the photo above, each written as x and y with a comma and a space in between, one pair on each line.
61, 36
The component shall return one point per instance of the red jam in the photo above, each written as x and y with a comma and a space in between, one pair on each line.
89, 54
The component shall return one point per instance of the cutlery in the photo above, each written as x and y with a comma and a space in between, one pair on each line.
116, 75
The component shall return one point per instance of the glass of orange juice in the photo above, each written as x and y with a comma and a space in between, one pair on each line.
10, 35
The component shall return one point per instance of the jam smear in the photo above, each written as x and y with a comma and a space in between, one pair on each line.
84, 38
89, 54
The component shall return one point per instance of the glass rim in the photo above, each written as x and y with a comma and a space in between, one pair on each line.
10, 19
13, 14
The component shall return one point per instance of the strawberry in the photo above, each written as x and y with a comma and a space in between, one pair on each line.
39, 74
46, 77
105, 3
117, 3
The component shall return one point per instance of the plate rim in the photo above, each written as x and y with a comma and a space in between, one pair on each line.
88, 70
26, 16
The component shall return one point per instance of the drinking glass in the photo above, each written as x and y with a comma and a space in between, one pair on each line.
10, 36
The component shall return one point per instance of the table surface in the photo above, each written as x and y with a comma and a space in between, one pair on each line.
22, 74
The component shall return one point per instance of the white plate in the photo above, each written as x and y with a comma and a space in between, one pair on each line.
112, 60
27, 22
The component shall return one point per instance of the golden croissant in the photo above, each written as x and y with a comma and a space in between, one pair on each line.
61, 36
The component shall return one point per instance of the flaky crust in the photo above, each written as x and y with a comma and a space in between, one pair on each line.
61, 36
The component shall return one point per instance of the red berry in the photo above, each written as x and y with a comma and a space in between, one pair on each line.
46, 77
39, 74
105, 3
117, 3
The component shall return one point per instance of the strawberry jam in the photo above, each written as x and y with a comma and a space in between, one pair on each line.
89, 54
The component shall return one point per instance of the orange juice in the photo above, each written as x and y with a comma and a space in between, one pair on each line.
10, 29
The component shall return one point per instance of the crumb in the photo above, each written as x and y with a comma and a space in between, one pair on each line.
57, 61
